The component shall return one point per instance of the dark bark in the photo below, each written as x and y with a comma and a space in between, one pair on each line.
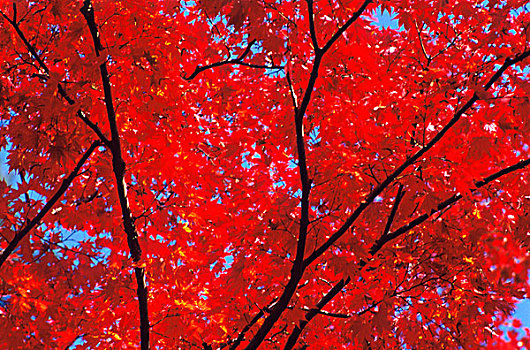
119, 167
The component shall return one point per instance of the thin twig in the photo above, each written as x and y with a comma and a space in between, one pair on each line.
236, 61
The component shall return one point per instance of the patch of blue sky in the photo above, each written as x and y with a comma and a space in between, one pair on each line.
386, 19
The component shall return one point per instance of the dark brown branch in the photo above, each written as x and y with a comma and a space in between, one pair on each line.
51, 202
291, 341
346, 25
83, 117
441, 206
118, 167
299, 264
252, 322
241, 336
44, 67
235, 61
311, 19
399, 197
258, 66
379, 188
293, 338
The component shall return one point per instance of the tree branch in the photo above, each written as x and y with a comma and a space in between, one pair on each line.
312, 31
44, 67
244, 331
236, 61
441, 206
297, 331
291, 341
118, 167
379, 188
51, 202
346, 25
399, 197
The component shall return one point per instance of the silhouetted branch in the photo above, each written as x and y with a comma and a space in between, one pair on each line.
51, 202
118, 167
299, 264
244, 331
236, 61
345, 26
441, 206
291, 341
387, 237
399, 197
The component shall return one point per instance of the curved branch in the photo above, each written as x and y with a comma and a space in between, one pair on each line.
291, 341
51, 202
299, 264
252, 322
441, 206
346, 25
236, 61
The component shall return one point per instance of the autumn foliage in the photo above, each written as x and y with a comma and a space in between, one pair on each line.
219, 174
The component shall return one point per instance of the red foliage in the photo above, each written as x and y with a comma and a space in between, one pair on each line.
222, 174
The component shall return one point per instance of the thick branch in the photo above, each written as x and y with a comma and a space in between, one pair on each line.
118, 167
44, 67
236, 61
51, 202
419, 154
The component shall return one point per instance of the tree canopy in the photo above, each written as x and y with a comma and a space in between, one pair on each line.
220, 174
